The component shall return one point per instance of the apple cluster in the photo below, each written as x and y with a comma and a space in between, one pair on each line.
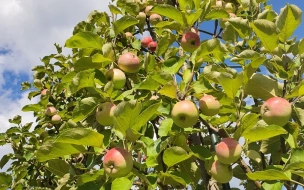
147, 42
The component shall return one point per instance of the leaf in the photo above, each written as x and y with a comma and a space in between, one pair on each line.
84, 108
170, 179
32, 107
58, 167
267, 32
247, 123
231, 86
50, 150
5, 180
272, 185
289, 19
123, 23
165, 127
82, 79
81, 136
94, 175
298, 115
268, 175
201, 152
149, 84
292, 136
174, 155
122, 183
241, 26
85, 63
214, 47
260, 132
216, 14
170, 12
84, 40
169, 90
5, 159
173, 64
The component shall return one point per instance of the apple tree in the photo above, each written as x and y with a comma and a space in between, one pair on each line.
166, 94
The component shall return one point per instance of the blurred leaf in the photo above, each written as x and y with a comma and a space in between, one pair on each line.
258, 133
271, 185
32, 107
121, 183
165, 127
5, 180
123, 23
58, 167
84, 108
4, 160
84, 40
87, 63
174, 155
170, 12
268, 175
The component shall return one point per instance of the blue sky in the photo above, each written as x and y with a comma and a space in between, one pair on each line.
29, 28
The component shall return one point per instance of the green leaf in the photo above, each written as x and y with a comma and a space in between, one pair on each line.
58, 167
123, 23
267, 32
5, 180
292, 136
170, 179
173, 64
32, 107
84, 40
82, 79
201, 152
114, 9
170, 12
231, 86
301, 46
241, 26
50, 150
216, 14
298, 115
268, 175
258, 133
81, 136
214, 47
272, 185
169, 90
121, 183
149, 84
94, 175
84, 108
5, 159
289, 19
247, 123
85, 63
174, 155
165, 127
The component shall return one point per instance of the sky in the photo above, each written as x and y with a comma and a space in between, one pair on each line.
28, 30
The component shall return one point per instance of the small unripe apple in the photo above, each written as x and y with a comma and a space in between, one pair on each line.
219, 4
50, 111
147, 10
105, 113
129, 62
128, 34
228, 150
276, 111
184, 114
45, 92
117, 77
141, 3
155, 18
56, 119
222, 173
209, 105
145, 41
117, 162
141, 17
152, 46
229, 7
190, 41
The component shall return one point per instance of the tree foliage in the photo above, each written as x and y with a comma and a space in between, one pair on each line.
243, 60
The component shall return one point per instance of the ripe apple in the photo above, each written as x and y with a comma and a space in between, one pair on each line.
56, 119
45, 92
152, 46
141, 17
184, 114
117, 162
222, 173
145, 41
228, 150
155, 18
128, 35
50, 111
276, 111
105, 113
147, 10
117, 77
209, 105
129, 62
190, 41
229, 7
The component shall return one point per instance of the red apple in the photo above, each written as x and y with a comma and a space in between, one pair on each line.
152, 46
105, 113
56, 119
228, 151
222, 173
209, 105
117, 162
190, 41
117, 77
45, 92
276, 111
184, 114
155, 18
129, 62
145, 41
50, 111
141, 17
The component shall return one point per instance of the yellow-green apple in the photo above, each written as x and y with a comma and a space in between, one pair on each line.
141, 3
209, 105
147, 10
129, 62
50, 111
155, 18
229, 7
152, 46
190, 41
117, 77
117, 162
228, 150
222, 173
276, 111
145, 41
128, 34
105, 113
181, 141
141, 17
56, 119
184, 114
45, 92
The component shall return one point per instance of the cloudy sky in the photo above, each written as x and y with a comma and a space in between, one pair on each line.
28, 30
